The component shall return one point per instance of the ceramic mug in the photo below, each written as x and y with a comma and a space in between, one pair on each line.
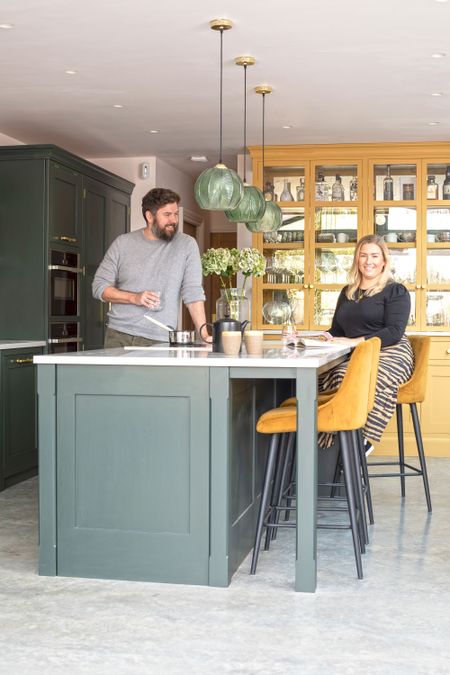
431, 238
342, 237
231, 341
391, 237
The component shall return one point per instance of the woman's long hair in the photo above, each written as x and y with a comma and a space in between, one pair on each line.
355, 277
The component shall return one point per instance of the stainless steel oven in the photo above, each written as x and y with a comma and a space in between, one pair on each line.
64, 283
64, 337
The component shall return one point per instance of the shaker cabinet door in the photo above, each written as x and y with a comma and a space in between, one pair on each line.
65, 205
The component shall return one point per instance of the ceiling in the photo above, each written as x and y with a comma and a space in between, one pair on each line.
342, 71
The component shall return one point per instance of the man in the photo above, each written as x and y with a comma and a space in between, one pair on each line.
147, 271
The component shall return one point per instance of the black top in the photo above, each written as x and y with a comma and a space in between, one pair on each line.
382, 315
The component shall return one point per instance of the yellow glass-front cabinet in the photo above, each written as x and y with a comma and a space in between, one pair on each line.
330, 196
308, 258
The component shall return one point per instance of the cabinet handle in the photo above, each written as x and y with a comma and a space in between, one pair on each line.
21, 361
423, 286
71, 240
311, 285
447, 351
305, 285
418, 287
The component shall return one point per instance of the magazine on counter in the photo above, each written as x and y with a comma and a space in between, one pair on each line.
317, 341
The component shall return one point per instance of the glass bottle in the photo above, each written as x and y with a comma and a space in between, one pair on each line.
388, 186
301, 190
354, 189
286, 195
269, 191
432, 188
337, 190
446, 186
320, 187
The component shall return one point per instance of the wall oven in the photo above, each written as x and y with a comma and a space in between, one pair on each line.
64, 337
64, 283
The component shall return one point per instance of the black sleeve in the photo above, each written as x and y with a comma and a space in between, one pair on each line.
396, 315
336, 330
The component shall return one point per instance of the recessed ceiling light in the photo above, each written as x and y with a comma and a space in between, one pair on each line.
433, 124
437, 93
70, 72
438, 55
117, 105
287, 126
198, 158
6, 26
154, 131
441, 0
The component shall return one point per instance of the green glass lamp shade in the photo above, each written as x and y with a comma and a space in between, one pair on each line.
218, 189
270, 221
251, 206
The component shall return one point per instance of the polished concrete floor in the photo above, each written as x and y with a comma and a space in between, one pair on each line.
396, 620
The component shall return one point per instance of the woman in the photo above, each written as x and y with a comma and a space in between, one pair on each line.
373, 304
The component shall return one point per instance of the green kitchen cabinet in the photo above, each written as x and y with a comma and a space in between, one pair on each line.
52, 199
18, 421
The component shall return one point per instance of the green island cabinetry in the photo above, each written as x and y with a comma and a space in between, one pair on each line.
50, 200
18, 420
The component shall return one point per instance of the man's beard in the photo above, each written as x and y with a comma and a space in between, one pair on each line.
164, 233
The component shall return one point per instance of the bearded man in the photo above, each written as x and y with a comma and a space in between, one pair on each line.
148, 271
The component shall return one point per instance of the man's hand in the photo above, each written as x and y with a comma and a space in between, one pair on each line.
150, 299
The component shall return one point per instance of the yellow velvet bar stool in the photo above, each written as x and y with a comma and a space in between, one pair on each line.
326, 396
411, 393
344, 413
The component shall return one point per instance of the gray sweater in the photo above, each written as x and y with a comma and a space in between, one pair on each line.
134, 263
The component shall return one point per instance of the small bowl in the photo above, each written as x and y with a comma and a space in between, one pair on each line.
443, 236
407, 236
326, 237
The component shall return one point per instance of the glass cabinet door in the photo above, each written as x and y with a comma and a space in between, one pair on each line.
283, 292
336, 183
394, 182
285, 184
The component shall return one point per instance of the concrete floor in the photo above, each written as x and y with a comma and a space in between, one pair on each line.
397, 620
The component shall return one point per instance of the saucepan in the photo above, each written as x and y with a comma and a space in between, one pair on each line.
176, 337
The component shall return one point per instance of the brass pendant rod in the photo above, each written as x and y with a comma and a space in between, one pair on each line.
245, 120
220, 97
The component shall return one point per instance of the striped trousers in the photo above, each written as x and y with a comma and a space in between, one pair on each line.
396, 367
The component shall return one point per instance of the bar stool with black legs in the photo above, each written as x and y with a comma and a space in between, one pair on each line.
326, 396
345, 412
411, 393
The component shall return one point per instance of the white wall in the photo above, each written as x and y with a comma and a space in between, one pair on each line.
7, 140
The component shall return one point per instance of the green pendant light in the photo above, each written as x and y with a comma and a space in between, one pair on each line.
219, 188
252, 205
272, 218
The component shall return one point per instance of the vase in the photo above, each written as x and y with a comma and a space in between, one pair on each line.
233, 303
286, 195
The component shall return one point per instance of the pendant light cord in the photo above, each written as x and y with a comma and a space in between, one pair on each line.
220, 97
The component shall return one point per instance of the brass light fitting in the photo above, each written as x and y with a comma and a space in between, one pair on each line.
221, 24
245, 60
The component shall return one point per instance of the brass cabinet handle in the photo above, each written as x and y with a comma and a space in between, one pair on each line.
305, 285
423, 286
21, 361
418, 286
447, 351
311, 285
71, 240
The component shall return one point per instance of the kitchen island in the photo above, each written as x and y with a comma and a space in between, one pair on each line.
150, 465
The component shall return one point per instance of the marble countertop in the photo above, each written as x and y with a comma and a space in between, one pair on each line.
21, 344
272, 356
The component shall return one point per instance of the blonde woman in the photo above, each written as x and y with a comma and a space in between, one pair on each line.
373, 304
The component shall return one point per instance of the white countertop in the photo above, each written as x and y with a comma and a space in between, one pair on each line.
273, 356
21, 344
